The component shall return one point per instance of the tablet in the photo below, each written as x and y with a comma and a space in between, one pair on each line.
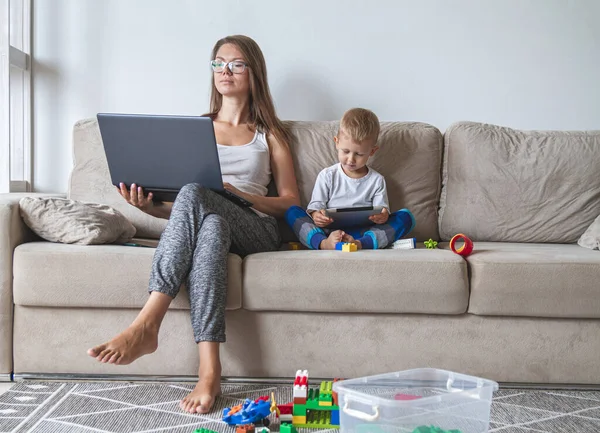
352, 216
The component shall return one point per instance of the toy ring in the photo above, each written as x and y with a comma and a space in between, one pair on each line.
465, 249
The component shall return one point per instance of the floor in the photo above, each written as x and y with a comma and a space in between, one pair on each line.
4, 386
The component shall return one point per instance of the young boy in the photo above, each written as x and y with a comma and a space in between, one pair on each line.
350, 183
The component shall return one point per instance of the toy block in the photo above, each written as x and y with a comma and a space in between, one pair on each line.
287, 428
317, 419
262, 430
301, 384
295, 245
299, 400
286, 408
335, 394
325, 398
432, 429
312, 402
335, 417
299, 410
244, 428
347, 247
299, 420
286, 417
204, 430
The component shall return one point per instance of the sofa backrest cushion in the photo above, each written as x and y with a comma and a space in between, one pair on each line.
410, 158
506, 185
90, 180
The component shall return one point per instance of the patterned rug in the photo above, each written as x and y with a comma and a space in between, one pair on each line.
124, 407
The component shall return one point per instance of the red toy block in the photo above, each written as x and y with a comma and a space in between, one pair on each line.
286, 409
335, 394
299, 400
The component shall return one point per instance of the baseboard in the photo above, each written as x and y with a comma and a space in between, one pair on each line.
148, 378
268, 380
5, 377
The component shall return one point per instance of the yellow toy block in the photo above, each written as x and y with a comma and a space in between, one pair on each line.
299, 420
325, 403
349, 247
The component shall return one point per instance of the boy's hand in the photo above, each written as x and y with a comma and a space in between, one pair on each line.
320, 218
380, 218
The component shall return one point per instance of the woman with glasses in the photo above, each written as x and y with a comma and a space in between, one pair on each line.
204, 227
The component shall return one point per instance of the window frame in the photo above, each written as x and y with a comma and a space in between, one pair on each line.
15, 96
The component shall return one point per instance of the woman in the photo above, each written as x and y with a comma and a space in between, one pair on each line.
203, 226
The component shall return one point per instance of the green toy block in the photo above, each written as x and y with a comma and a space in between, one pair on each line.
325, 393
204, 430
433, 429
312, 401
318, 419
299, 410
287, 428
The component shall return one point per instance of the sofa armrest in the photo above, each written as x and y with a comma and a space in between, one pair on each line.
13, 232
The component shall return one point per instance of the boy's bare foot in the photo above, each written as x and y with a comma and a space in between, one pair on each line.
349, 239
333, 238
138, 340
202, 398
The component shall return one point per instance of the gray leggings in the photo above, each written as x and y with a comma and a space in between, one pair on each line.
203, 228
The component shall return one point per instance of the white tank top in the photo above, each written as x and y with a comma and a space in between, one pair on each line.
247, 167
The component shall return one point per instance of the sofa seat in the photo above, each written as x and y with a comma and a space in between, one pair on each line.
382, 281
534, 280
98, 276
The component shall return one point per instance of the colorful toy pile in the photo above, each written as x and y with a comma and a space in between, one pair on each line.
314, 408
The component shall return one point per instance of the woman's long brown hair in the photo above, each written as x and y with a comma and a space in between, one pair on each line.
262, 110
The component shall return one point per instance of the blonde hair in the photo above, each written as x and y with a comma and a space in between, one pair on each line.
360, 124
262, 109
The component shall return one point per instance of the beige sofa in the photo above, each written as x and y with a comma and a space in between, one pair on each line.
524, 307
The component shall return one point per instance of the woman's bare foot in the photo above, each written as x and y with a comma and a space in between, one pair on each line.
333, 238
202, 398
138, 340
349, 239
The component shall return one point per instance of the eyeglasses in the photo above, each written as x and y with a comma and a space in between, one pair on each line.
237, 66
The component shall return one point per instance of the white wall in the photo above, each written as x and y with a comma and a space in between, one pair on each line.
532, 64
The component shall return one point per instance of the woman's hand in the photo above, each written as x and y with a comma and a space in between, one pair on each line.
320, 218
380, 218
229, 187
135, 197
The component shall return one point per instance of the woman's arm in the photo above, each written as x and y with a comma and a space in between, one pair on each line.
282, 167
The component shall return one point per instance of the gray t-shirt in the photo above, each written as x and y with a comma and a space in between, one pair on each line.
335, 189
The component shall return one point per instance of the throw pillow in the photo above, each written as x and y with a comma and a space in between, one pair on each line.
75, 222
591, 237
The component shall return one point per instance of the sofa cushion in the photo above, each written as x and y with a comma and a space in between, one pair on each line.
409, 157
380, 281
75, 222
591, 237
100, 276
90, 180
535, 280
506, 185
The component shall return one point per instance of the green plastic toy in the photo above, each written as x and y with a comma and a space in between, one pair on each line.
432, 429
430, 244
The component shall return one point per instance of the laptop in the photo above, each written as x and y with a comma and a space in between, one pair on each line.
163, 153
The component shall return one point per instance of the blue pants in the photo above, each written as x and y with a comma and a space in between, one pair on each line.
399, 224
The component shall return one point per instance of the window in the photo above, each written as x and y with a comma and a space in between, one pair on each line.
15, 96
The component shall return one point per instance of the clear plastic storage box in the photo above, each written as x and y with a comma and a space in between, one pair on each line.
422, 401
